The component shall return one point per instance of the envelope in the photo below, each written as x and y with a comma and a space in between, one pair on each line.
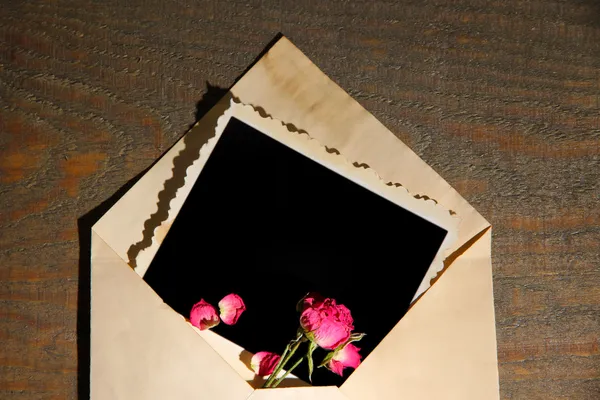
443, 348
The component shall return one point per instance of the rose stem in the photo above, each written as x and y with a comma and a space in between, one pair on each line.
284, 359
278, 381
278, 367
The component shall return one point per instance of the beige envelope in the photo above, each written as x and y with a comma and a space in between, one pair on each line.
443, 348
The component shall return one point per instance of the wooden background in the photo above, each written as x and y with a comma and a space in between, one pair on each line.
501, 97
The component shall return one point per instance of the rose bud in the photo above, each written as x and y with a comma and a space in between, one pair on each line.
326, 323
263, 363
348, 356
204, 315
231, 308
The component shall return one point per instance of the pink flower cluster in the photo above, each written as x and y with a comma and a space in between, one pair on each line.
330, 326
204, 315
325, 323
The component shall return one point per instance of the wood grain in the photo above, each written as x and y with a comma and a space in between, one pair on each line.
502, 98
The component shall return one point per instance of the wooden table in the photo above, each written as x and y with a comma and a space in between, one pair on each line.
502, 98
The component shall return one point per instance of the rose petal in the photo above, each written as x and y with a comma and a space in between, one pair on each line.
331, 334
336, 367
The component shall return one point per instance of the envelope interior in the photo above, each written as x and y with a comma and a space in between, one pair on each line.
270, 224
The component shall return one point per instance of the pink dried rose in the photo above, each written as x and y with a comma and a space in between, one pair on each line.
204, 315
263, 363
231, 308
348, 356
326, 323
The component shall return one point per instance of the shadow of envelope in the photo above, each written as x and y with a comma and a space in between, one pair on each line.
443, 348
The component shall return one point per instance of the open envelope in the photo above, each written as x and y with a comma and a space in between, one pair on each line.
443, 348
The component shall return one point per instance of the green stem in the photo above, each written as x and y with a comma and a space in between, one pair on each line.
278, 381
278, 367
287, 354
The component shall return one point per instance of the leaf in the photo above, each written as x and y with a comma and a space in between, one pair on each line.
355, 337
311, 348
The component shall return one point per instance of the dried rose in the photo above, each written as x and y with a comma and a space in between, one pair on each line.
325, 322
347, 356
263, 363
231, 308
204, 315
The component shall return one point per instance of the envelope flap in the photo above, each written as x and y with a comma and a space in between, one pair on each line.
286, 85
445, 346
141, 348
